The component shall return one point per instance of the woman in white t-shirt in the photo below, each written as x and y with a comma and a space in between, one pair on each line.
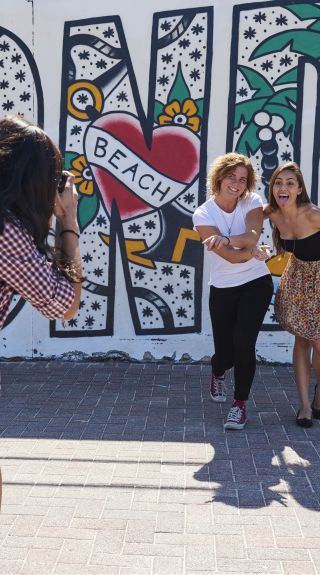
229, 224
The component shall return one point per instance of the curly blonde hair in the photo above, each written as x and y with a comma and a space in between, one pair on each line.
225, 164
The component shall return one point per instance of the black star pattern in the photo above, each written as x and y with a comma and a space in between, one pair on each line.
25, 96
184, 43
84, 55
168, 289
187, 294
21, 76
4, 84
1, 64
82, 98
147, 311
81, 304
87, 258
181, 312
73, 322
195, 74
260, 17
185, 274
95, 306
165, 26
286, 157
139, 274
188, 198
281, 20
98, 272
89, 321
101, 220
150, 224
122, 97
134, 228
197, 29
267, 65
167, 270
108, 33
242, 92
195, 55
166, 58
102, 64
15, 59
163, 80
250, 33
8, 105
76, 130
4, 47
285, 61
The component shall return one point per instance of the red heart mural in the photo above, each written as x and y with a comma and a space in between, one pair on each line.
174, 156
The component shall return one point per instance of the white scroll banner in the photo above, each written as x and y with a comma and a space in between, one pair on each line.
105, 151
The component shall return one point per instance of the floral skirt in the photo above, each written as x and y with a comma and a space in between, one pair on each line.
297, 301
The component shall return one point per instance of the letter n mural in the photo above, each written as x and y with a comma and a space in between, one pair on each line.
273, 43
139, 175
20, 93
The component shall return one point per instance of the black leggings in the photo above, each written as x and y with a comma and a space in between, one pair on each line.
236, 315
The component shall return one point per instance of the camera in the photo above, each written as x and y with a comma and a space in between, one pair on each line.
62, 182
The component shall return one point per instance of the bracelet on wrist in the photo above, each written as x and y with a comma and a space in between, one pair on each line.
69, 232
227, 238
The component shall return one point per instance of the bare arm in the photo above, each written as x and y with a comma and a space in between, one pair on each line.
250, 238
227, 252
66, 214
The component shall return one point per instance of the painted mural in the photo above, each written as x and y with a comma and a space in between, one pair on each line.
138, 176
272, 44
20, 93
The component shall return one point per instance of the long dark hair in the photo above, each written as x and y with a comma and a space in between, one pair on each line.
30, 168
302, 198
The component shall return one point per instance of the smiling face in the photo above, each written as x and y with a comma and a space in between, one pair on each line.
286, 189
234, 183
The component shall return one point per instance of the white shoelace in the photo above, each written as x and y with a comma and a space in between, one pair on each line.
235, 414
219, 387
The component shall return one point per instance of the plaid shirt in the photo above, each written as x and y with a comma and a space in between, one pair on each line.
24, 270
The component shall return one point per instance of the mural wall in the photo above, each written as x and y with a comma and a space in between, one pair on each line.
138, 110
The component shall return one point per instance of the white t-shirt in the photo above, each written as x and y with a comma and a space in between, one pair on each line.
223, 273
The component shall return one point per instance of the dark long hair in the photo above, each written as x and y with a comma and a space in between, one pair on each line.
302, 198
30, 168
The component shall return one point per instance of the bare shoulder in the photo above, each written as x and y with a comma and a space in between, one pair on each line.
267, 210
312, 212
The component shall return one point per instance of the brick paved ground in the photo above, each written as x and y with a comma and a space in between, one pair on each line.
125, 468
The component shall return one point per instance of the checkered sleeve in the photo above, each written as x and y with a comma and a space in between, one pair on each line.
28, 273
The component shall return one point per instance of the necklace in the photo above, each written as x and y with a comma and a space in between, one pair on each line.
228, 224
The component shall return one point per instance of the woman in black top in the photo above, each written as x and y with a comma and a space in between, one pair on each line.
296, 223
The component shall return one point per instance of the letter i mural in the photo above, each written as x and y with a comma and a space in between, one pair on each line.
271, 44
139, 175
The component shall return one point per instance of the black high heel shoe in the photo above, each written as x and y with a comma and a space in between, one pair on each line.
304, 421
315, 411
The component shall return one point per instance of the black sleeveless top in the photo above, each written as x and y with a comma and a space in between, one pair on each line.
307, 249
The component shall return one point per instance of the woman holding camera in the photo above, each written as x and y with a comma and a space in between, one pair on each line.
30, 171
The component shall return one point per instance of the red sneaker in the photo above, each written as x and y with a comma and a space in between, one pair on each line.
237, 416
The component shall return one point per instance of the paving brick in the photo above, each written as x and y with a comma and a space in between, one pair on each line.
126, 468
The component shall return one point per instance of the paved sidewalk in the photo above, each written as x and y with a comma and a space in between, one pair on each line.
125, 468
